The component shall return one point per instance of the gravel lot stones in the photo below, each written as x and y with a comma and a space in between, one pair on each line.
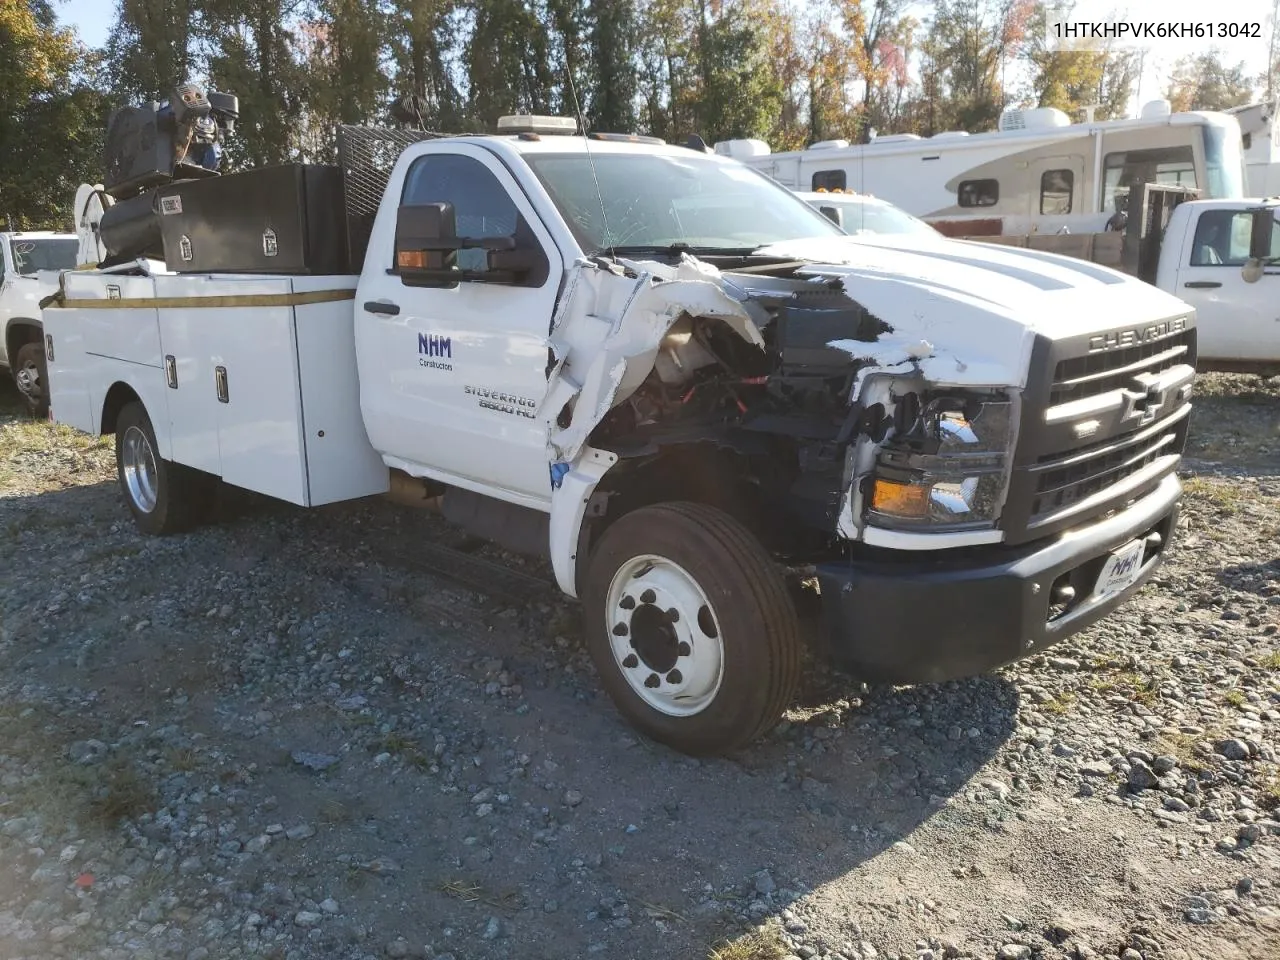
287, 737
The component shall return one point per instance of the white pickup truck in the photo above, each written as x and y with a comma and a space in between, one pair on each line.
29, 263
1205, 258
694, 395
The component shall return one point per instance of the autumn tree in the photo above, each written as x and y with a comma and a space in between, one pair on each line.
970, 44
1079, 75
1202, 81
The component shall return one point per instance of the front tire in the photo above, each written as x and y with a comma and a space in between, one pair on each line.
31, 376
164, 497
691, 628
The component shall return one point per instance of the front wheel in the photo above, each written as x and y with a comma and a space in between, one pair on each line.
691, 627
164, 497
31, 375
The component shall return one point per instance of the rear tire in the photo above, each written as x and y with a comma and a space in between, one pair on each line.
164, 497
31, 376
691, 628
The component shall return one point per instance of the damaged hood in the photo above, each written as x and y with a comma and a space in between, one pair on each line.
975, 308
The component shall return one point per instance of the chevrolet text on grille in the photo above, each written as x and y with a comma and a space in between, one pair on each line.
1136, 335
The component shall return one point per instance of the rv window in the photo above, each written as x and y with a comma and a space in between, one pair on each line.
1132, 168
829, 180
1055, 192
978, 193
1222, 239
1247, 140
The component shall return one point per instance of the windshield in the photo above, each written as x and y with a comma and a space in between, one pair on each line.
1224, 161
652, 200
32, 255
865, 216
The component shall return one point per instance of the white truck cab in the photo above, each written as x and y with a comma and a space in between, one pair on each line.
690, 391
1205, 260
29, 265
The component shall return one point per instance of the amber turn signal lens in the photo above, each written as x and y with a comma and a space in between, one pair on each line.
900, 499
412, 259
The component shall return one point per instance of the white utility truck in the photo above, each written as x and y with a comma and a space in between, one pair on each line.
29, 265
682, 385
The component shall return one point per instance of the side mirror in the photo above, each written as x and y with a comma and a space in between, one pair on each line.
426, 240
1260, 234
428, 245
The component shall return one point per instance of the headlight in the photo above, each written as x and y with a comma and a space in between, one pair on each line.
947, 465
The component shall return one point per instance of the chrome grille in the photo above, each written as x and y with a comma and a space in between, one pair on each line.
1097, 373
1104, 419
1068, 479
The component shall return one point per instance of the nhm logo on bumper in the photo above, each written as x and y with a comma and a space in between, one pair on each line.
431, 350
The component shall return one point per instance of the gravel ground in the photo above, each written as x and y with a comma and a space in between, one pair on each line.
289, 736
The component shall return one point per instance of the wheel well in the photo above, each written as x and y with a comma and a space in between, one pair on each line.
18, 333
706, 473
118, 397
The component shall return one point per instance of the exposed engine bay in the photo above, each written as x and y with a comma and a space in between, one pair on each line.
751, 379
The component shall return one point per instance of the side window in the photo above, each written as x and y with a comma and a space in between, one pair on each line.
1125, 173
2, 259
1221, 240
978, 193
482, 207
829, 180
1056, 187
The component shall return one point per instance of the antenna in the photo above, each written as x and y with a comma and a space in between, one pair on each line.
586, 143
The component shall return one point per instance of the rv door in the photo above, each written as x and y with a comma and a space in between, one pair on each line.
1055, 193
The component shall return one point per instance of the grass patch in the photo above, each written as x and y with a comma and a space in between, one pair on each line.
1128, 683
1235, 698
469, 892
1227, 497
1271, 661
764, 943
123, 795
1060, 704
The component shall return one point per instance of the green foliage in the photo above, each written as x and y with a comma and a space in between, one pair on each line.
51, 118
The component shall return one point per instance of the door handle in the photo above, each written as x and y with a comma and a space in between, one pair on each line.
220, 384
382, 307
1202, 284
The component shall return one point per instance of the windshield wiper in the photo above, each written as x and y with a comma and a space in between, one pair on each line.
675, 249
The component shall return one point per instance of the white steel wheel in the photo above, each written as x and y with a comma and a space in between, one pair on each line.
690, 627
138, 469
665, 637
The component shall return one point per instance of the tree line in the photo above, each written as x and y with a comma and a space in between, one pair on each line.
789, 72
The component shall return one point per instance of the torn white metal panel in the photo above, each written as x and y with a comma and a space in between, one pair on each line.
569, 502
607, 334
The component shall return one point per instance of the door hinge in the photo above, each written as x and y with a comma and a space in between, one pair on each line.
220, 380
171, 371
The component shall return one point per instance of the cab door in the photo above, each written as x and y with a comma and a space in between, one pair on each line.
451, 376
1235, 320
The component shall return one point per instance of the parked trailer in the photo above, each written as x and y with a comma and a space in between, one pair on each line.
687, 389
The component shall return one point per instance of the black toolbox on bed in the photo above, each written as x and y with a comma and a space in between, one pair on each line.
281, 219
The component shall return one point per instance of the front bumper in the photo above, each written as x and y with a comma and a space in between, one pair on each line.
921, 620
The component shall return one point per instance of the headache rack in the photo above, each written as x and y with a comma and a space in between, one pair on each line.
367, 156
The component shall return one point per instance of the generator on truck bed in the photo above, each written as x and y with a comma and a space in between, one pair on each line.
688, 390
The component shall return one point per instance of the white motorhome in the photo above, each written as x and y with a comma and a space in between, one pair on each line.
1038, 173
1260, 134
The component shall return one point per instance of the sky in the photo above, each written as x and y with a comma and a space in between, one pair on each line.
93, 19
